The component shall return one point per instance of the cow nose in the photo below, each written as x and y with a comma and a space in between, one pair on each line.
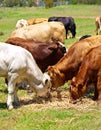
64, 49
47, 96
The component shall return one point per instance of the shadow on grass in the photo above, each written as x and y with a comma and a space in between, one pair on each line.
3, 106
4, 91
21, 103
35, 100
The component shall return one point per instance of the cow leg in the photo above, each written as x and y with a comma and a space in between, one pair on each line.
59, 95
16, 99
12, 91
6, 82
66, 33
99, 90
10, 95
95, 92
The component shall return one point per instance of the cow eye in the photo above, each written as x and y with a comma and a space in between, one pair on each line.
80, 86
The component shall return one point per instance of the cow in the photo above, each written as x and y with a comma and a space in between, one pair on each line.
68, 23
89, 72
44, 32
23, 22
67, 67
36, 20
45, 54
18, 65
98, 25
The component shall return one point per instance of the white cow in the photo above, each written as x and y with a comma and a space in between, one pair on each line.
18, 65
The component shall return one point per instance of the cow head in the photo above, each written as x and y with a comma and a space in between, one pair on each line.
57, 46
43, 90
72, 28
21, 23
57, 78
77, 90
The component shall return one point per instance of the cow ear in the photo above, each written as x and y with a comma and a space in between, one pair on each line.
46, 81
52, 47
73, 79
72, 82
80, 86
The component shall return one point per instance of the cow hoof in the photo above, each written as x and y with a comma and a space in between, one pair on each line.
10, 107
73, 101
99, 103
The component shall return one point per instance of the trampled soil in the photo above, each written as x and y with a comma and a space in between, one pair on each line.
31, 102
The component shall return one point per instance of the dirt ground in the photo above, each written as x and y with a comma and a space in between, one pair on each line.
31, 102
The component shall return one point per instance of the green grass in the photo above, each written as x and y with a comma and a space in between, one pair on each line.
30, 116
60, 119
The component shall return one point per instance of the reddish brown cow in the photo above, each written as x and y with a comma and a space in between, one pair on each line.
89, 72
45, 54
68, 65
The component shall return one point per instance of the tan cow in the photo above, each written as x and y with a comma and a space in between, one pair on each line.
98, 25
44, 32
89, 72
67, 67
23, 22
36, 20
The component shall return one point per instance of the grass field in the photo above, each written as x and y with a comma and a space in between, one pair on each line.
56, 115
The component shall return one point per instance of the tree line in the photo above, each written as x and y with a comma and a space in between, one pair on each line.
45, 3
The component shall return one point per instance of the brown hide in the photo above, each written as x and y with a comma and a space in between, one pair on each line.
98, 25
45, 54
67, 67
89, 72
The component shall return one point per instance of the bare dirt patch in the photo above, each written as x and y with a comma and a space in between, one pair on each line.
31, 102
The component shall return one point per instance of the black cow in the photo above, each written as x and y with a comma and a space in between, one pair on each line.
68, 23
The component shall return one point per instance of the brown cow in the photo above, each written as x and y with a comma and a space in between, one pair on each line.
45, 54
98, 25
89, 72
68, 65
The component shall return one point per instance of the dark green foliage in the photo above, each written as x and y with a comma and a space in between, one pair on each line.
85, 1
48, 3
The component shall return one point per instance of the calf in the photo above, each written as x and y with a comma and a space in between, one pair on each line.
98, 25
89, 72
18, 65
68, 23
45, 54
67, 67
